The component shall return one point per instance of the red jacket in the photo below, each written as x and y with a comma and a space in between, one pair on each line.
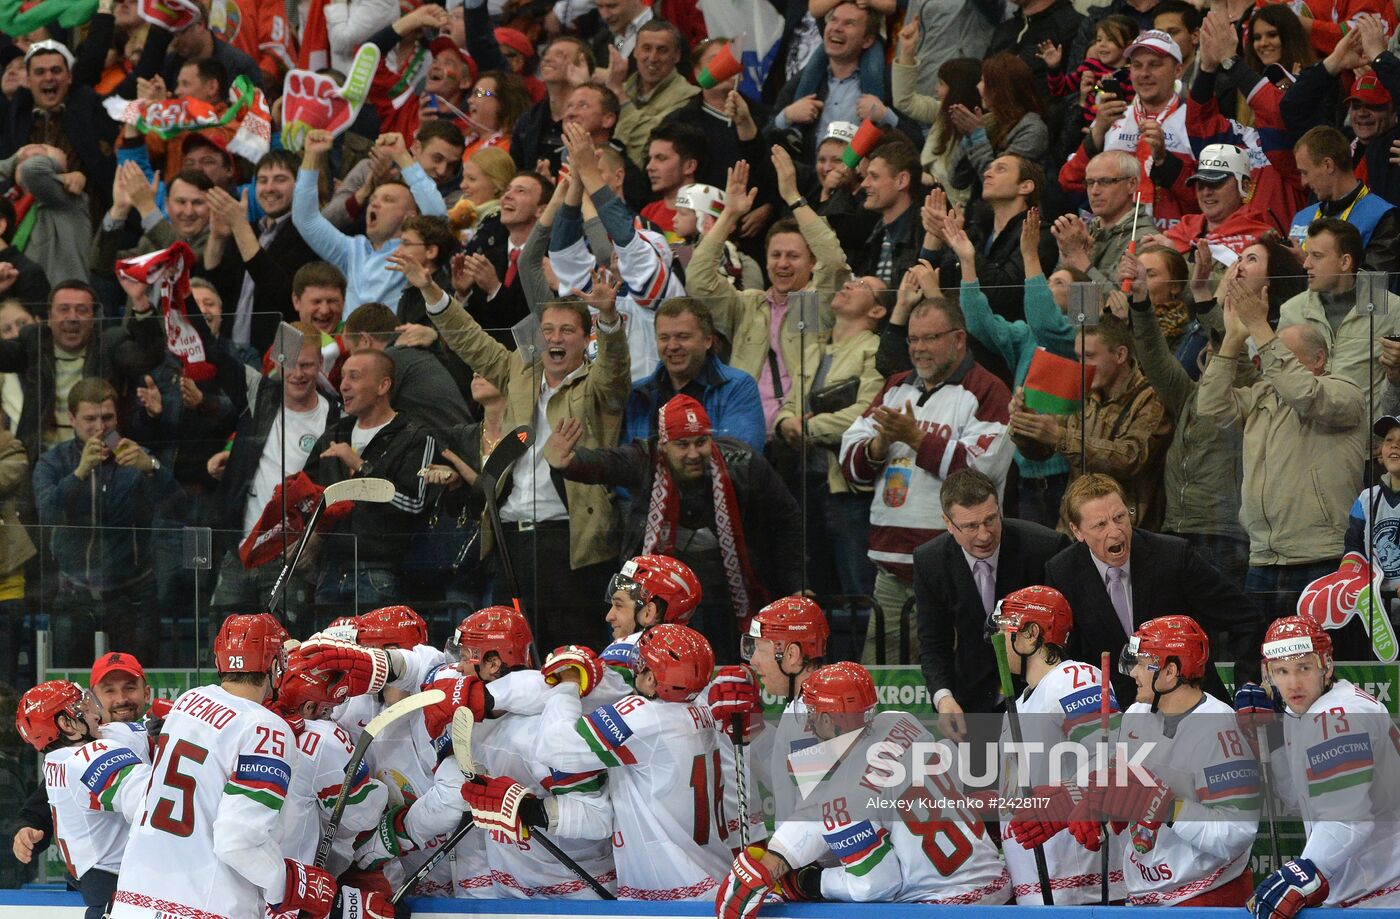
1174, 198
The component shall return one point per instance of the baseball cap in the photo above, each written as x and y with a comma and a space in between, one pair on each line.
46, 46
444, 43
1219, 162
116, 662
516, 40
841, 130
1158, 41
1369, 91
1385, 424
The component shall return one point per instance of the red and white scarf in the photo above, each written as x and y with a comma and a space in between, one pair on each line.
681, 417
168, 274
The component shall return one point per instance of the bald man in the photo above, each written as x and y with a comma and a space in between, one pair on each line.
370, 439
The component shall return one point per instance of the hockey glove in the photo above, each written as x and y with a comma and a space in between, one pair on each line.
309, 889
1255, 707
1296, 884
1131, 794
356, 670
734, 694
386, 842
497, 804
577, 659
742, 892
1036, 821
364, 895
462, 692
801, 885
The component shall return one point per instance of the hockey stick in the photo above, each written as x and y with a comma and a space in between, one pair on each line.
462, 722
736, 734
508, 449
368, 490
1042, 869
443, 850
1261, 738
1104, 690
376, 725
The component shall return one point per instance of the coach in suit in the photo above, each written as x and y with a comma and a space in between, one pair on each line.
958, 578
1116, 578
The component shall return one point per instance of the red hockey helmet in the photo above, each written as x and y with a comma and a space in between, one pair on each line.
495, 628
38, 710
679, 658
300, 684
1294, 636
844, 691
789, 620
659, 577
1042, 606
391, 626
249, 644
1168, 636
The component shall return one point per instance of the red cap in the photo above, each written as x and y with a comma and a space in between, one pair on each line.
116, 662
515, 40
1369, 91
444, 43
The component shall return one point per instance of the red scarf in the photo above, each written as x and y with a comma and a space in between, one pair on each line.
315, 51
685, 417
168, 274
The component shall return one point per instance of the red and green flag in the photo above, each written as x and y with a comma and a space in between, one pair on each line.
1052, 384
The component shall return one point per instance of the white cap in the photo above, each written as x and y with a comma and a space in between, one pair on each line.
1219, 162
1158, 41
842, 130
704, 200
47, 46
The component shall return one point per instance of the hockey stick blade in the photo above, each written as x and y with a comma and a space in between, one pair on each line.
368, 490
510, 448
462, 723
378, 723
574, 867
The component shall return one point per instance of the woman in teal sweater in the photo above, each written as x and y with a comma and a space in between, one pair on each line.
1042, 482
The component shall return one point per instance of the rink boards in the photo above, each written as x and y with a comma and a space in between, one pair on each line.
28, 904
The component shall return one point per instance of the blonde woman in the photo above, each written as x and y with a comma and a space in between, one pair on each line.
484, 177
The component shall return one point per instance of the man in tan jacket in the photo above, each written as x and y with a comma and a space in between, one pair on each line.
656, 90
545, 520
803, 254
1305, 443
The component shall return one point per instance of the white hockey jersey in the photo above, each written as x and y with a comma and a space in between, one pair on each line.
770, 757
899, 837
1063, 706
1340, 768
644, 265
95, 792
325, 750
672, 838
206, 841
1207, 762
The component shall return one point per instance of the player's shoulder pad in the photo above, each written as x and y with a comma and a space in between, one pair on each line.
102, 765
897, 727
124, 732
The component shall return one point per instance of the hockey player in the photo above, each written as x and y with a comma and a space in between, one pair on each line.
662, 753
650, 590
1062, 702
1338, 764
402, 633
929, 848
94, 775
206, 841
1191, 801
786, 644
304, 700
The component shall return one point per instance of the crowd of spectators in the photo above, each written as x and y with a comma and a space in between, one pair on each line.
737, 339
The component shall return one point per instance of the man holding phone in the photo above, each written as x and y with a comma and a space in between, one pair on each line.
95, 496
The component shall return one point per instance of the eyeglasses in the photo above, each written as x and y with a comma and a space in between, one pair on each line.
970, 529
928, 339
860, 282
484, 93
1105, 183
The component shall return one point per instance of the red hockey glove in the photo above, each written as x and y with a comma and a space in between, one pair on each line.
462, 692
496, 804
356, 670
1041, 818
309, 889
1134, 795
741, 893
734, 694
575, 658
364, 895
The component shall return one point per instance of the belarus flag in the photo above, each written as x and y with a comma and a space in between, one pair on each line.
1052, 384
761, 26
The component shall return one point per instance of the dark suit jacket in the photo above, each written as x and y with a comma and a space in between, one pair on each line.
272, 270
1169, 577
953, 652
508, 307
